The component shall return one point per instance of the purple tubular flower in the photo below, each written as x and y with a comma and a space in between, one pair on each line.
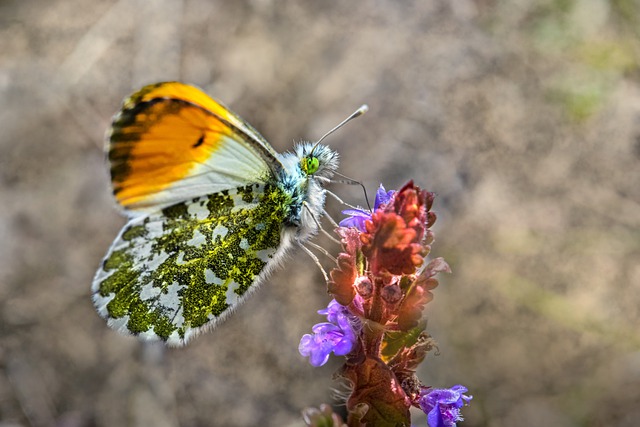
326, 338
442, 406
382, 197
357, 217
334, 311
337, 335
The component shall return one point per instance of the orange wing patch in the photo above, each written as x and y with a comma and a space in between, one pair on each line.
179, 91
171, 131
158, 143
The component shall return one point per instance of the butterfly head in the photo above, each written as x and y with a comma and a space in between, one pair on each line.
317, 160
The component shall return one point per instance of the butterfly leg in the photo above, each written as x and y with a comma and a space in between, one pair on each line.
325, 232
330, 218
322, 250
315, 259
339, 200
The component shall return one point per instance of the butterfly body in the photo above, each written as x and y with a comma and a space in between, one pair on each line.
213, 209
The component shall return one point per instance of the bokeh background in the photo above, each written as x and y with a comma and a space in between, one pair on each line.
523, 116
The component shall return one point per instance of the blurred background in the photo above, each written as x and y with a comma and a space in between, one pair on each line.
523, 116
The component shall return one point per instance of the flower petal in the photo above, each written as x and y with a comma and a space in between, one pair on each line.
319, 358
382, 197
356, 218
435, 418
343, 347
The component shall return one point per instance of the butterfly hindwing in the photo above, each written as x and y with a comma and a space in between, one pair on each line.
172, 142
173, 272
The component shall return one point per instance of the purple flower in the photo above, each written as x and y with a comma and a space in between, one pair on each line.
337, 335
357, 217
335, 311
442, 406
382, 197
326, 338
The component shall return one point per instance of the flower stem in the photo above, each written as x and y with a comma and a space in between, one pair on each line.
375, 328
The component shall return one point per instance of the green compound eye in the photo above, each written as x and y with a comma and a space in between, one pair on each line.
310, 165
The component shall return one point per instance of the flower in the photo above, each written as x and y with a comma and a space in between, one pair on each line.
335, 312
326, 338
393, 239
442, 406
357, 217
337, 335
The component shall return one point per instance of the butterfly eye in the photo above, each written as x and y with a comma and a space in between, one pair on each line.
310, 165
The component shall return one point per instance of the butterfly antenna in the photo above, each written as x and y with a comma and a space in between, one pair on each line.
360, 111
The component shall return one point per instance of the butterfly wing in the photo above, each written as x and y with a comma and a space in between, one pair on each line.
171, 142
172, 273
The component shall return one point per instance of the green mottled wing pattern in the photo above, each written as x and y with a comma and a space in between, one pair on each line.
173, 272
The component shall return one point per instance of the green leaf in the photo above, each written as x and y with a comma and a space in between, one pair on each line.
395, 341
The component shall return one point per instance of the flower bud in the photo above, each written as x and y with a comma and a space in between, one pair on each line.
391, 294
431, 219
364, 287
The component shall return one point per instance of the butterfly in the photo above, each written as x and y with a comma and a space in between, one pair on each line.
212, 209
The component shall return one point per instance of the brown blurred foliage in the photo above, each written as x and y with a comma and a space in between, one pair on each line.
523, 117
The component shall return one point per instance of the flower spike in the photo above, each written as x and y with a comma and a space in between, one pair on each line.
381, 285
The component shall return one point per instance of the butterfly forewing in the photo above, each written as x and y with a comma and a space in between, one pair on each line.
173, 272
171, 142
